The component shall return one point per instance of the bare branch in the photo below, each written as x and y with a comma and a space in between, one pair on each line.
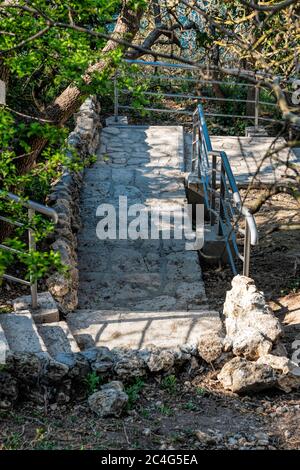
270, 8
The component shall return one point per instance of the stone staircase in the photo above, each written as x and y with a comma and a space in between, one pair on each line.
19, 333
133, 293
137, 293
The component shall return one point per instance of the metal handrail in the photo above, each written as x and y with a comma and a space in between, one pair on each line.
182, 96
32, 207
228, 70
230, 206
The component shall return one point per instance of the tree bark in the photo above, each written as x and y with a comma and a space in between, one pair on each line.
68, 102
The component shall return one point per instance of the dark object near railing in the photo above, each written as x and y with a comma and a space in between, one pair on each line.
212, 170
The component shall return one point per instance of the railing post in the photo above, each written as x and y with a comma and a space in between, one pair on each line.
247, 248
195, 148
256, 105
32, 249
222, 198
213, 189
116, 97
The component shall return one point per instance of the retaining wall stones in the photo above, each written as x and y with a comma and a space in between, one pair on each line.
44, 380
64, 198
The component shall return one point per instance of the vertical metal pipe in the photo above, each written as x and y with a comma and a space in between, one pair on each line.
222, 198
194, 145
247, 248
116, 98
256, 105
32, 249
213, 189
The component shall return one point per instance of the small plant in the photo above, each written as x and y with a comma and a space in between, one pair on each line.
190, 406
165, 410
5, 309
13, 442
92, 382
133, 391
45, 445
201, 391
169, 383
145, 413
292, 287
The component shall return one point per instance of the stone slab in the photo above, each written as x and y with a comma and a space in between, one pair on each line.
21, 332
113, 121
58, 338
119, 273
247, 157
140, 330
47, 311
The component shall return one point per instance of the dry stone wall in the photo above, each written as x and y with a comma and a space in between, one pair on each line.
64, 198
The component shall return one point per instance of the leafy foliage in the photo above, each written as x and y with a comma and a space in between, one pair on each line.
40, 67
133, 391
93, 381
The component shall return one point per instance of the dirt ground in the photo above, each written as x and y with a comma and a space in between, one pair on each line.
168, 415
275, 262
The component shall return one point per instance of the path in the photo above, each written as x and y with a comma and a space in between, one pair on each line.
136, 293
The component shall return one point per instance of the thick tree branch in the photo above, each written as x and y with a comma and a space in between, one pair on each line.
270, 8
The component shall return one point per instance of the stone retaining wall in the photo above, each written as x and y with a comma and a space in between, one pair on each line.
43, 380
64, 198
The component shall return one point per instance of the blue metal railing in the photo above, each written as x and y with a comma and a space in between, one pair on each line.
221, 195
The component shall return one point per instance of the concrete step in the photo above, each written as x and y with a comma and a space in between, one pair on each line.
4, 348
21, 333
57, 338
140, 329
247, 155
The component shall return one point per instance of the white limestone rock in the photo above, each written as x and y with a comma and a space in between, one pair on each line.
242, 376
287, 371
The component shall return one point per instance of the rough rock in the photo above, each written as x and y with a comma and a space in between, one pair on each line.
27, 367
210, 346
115, 385
252, 330
56, 371
243, 298
8, 388
205, 438
288, 373
111, 400
128, 364
101, 359
242, 376
250, 343
160, 360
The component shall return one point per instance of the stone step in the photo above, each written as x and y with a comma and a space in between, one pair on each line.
141, 329
138, 275
248, 154
58, 338
4, 347
21, 333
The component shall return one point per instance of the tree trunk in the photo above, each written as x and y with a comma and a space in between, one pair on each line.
68, 102
250, 107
